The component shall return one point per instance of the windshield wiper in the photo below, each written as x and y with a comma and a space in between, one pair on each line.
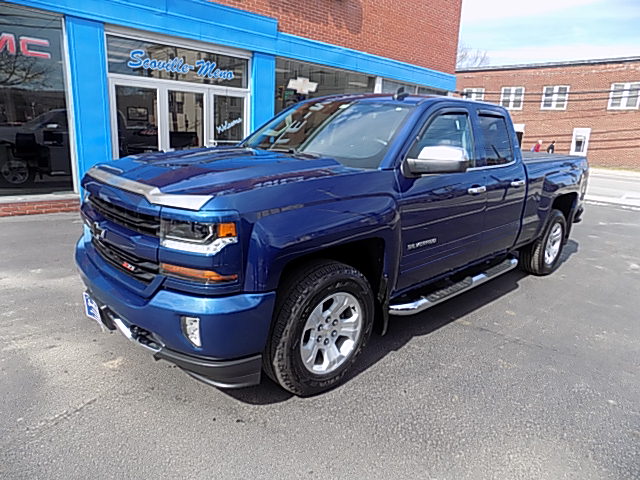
294, 151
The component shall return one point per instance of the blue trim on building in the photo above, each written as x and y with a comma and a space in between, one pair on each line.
263, 87
90, 92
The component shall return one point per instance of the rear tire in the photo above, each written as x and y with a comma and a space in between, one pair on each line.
323, 320
543, 255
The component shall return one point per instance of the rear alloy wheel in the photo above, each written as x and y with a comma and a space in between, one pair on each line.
323, 320
543, 256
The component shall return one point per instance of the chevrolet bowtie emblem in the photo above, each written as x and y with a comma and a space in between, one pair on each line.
98, 231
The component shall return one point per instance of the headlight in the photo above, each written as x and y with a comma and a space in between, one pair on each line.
206, 238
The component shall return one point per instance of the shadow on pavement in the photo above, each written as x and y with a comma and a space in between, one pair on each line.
403, 329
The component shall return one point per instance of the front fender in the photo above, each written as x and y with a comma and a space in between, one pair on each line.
284, 236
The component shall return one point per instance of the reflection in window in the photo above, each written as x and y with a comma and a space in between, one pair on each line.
34, 132
450, 130
392, 86
185, 119
297, 81
355, 133
137, 118
497, 143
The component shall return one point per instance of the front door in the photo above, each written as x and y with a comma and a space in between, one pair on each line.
229, 118
442, 215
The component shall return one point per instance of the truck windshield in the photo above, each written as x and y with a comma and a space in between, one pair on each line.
355, 133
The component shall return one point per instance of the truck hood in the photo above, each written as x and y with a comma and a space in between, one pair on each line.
216, 171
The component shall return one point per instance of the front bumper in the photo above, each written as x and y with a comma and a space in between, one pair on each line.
234, 329
237, 373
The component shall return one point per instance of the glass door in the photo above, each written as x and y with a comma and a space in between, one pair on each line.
229, 116
136, 120
186, 119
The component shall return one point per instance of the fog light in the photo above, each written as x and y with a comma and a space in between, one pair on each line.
191, 330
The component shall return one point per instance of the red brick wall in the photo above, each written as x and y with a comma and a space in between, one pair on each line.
615, 134
31, 208
420, 32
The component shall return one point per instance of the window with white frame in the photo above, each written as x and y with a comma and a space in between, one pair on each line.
474, 94
624, 96
555, 97
512, 97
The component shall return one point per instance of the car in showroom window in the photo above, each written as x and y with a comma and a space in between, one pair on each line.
34, 133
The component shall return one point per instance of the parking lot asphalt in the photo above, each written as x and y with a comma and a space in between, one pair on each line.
521, 378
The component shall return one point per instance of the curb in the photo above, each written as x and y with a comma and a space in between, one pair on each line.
605, 172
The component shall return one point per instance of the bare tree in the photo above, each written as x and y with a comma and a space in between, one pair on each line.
470, 57
17, 70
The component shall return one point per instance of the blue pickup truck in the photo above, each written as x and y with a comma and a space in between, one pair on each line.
281, 253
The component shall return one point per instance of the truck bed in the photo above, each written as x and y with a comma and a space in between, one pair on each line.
533, 157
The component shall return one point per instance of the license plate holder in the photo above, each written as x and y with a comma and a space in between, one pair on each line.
91, 309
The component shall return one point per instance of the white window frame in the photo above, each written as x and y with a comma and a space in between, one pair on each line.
585, 133
511, 97
474, 93
555, 97
624, 97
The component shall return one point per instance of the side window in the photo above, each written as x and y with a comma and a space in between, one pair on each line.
448, 129
497, 142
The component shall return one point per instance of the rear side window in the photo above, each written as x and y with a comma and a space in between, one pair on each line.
448, 129
497, 142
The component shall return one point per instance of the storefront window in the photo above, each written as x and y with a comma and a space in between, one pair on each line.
152, 60
34, 131
392, 86
297, 81
175, 98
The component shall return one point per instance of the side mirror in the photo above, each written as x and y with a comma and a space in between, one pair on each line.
439, 159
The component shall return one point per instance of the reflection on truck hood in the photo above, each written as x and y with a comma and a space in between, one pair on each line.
223, 170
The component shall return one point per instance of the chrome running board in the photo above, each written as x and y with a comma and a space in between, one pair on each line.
439, 296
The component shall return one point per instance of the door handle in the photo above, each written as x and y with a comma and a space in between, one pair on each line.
476, 190
518, 183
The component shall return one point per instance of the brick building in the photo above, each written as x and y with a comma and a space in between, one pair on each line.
588, 107
89, 82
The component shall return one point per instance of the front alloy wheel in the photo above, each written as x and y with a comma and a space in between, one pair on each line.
331, 333
323, 319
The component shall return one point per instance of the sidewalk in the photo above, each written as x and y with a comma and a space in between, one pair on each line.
614, 187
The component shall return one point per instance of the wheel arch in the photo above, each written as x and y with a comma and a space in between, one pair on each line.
567, 204
367, 256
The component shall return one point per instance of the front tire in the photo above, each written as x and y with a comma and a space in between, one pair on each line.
543, 255
324, 318
16, 173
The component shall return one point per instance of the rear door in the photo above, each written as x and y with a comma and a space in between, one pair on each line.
505, 182
441, 214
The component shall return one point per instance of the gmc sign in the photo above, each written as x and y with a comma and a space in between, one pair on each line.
8, 43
